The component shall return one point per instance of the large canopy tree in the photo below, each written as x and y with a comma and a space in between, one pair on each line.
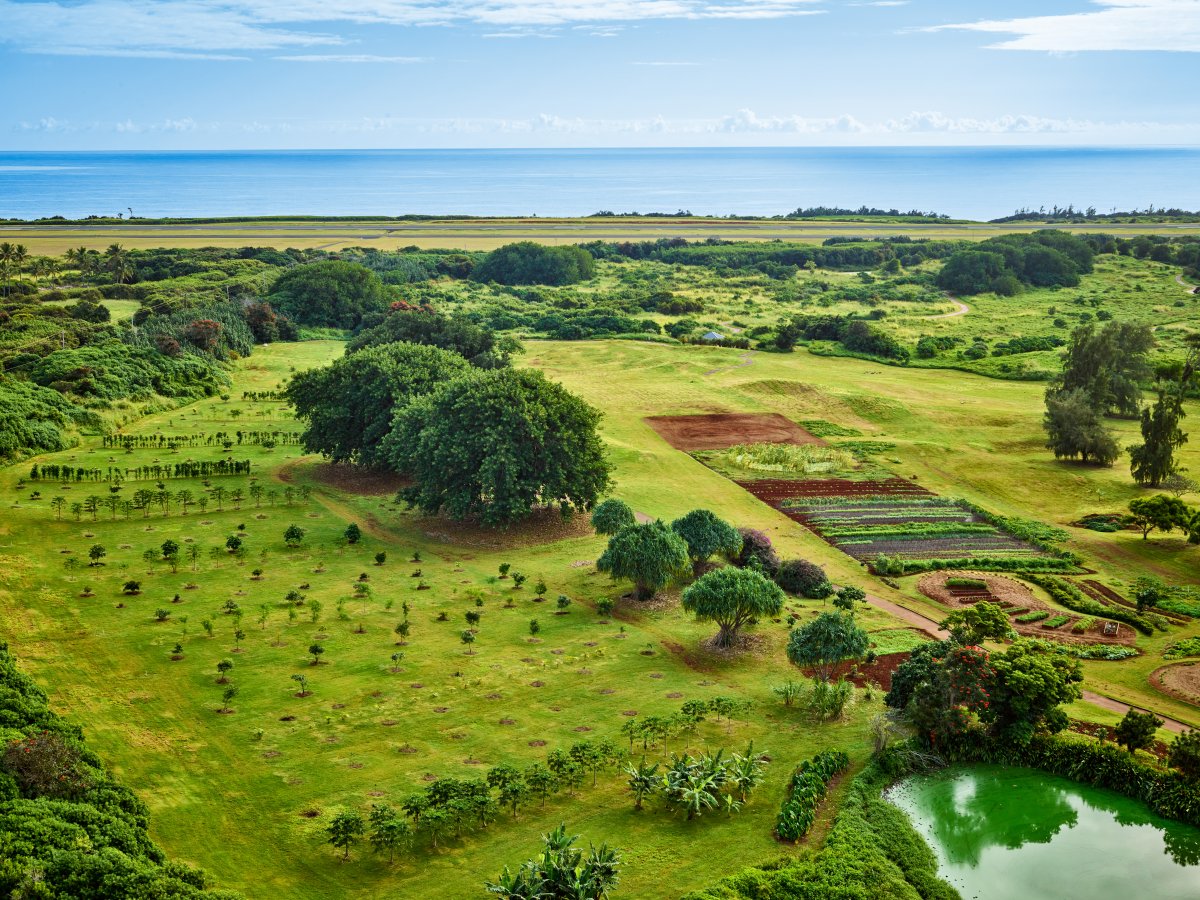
349, 406
733, 598
650, 555
331, 293
477, 343
1074, 428
495, 445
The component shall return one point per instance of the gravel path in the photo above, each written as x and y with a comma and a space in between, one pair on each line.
962, 310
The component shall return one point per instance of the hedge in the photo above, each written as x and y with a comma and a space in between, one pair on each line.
975, 584
806, 790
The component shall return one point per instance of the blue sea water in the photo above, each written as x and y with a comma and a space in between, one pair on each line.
979, 183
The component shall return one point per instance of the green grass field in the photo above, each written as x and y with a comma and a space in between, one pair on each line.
230, 792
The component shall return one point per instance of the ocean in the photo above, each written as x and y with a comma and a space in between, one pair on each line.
976, 183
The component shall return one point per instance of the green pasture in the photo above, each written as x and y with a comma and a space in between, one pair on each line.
247, 795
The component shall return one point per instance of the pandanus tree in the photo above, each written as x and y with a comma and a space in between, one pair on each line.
732, 598
650, 555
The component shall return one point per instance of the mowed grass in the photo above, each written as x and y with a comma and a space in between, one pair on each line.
234, 801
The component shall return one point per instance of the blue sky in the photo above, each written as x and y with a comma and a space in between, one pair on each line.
226, 74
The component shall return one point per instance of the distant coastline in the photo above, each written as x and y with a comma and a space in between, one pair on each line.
974, 184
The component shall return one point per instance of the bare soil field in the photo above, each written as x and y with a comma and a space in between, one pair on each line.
717, 431
1181, 681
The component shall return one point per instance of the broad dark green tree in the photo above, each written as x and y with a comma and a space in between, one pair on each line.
348, 406
611, 516
826, 641
1153, 461
498, 444
1074, 428
331, 293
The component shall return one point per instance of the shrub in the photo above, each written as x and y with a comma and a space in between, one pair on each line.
330, 293
805, 792
757, 550
1056, 622
611, 516
799, 576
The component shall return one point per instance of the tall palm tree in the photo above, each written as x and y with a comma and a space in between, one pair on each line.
116, 261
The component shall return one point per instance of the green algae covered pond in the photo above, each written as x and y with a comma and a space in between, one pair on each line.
1015, 834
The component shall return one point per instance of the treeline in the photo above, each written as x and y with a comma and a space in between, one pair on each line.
1069, 213
186, 469
856, 335
212, 439
67, 828
776, 258
823, 212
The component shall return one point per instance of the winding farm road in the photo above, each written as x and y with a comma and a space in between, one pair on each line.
1190, 288
961, 310
931, 628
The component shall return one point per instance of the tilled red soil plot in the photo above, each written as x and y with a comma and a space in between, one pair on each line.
774, 491
716, 431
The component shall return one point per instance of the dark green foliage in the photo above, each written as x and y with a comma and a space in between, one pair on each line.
115, 371
733, 598
497, 445
650, 555
35, 419
1004, 264
1160, 512
528, 263
824, 642
64, 821
1153, 460
349, 406
1074, 429
1109, 365
330, 293
705, 535
477, 343
806, 790
1136, 730
1185, 757
976, 623
611, 516
807, 579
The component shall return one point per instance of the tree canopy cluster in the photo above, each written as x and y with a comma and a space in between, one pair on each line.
330, 293
1008, 263
526, 262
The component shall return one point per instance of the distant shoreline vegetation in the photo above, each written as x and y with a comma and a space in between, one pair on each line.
1056, 214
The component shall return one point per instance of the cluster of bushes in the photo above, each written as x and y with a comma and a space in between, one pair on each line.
929, 346
1068, 595
974, 584
526, 262
35, 419
66, 827
1036, 616
855, 335
1181, 649
806, 790
1009, 263
696, 784
477, 343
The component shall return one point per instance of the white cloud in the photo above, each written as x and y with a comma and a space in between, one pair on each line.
1146, 25
207, 29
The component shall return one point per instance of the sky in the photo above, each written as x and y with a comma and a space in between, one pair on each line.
174, 75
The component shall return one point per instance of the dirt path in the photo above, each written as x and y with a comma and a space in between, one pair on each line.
961, 310
747, 359
931, 628
1190, 288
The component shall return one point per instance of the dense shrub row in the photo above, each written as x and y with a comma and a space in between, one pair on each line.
806, 790
895, 565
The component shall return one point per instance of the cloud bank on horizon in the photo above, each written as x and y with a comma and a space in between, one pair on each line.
196, 74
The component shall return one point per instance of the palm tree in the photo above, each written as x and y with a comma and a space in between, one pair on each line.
643, 781
116, 261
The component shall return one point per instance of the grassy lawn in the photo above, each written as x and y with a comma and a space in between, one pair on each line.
368, 734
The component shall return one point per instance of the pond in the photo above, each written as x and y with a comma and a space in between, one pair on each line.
1014, 834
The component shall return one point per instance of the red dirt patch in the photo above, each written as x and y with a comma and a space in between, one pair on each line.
773, 491
718, 431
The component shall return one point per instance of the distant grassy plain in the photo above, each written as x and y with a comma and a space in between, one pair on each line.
486, 234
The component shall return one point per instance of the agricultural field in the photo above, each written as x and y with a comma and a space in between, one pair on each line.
260, 639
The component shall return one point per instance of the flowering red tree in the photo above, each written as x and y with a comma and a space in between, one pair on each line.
45, 765
204, 333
